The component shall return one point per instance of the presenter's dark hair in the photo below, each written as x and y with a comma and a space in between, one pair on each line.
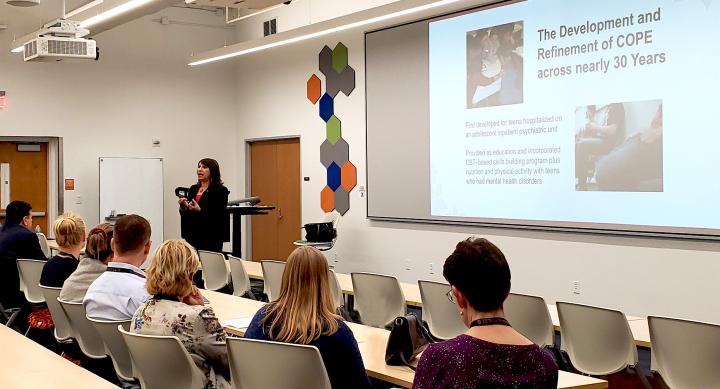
214, 170
131, 233
16, 211
479, 270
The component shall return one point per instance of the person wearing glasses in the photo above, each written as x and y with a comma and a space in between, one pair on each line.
491, 353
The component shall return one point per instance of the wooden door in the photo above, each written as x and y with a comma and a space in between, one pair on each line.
275, 177
28, 178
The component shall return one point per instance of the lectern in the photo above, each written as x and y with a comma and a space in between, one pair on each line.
237, 211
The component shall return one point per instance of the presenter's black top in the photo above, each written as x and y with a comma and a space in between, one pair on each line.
210, 227
16, 242
58, 269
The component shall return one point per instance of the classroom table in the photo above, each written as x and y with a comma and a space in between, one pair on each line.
638, 325
371, 341
26, 364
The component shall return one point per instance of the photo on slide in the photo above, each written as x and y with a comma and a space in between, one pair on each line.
618, 147
495, 65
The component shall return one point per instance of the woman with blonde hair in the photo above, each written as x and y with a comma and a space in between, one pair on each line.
304, 313
98, 252
69, 229
176, 308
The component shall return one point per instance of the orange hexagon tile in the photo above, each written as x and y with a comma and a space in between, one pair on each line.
313, 88
348, 176
327, 199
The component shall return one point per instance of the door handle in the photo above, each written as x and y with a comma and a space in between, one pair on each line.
280, 213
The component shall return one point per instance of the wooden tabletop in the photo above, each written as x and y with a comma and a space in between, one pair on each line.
26, 364
371, 341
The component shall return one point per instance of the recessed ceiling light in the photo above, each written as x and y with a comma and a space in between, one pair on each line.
23, 3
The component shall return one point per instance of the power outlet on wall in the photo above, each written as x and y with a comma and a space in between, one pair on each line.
407, 265
335, 258
576, 287
431, 268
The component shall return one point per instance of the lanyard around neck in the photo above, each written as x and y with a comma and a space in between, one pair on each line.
124, 270
489, 321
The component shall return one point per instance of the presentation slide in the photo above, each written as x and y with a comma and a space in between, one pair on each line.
573, 111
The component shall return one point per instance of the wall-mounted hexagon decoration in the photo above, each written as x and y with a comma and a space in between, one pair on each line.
325, 60
327, 199
342, 200
348, 176
326, 107
338, 152
339, 57
313, 88
333, 176
346, 82
333, 129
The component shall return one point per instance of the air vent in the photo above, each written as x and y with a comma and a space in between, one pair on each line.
31, 48
270, 27
67, 47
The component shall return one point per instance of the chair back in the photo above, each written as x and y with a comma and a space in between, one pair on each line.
529, 315
441, 315
336, 290
44, 244
62, 331
214, 270
83, 331
162, 362
115, 345
685, 353
272, 277
30, 271
240, 278
598, 340
378, 298
254, 364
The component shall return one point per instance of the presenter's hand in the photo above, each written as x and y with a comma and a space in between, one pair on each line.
194, 298
193, 206
183, 202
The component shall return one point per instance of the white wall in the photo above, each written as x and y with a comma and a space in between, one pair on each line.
638, 275
140, 89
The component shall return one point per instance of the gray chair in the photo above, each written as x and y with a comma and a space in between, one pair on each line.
254, 364
441, 315
115, 345
214, 270
162, 362
272, 277
240, 278
44, 244
338, 297
63, 331
597, 340
83, 331
378, 298
529, 315
685, 353
30, 271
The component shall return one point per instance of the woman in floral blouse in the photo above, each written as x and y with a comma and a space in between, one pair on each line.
176, 309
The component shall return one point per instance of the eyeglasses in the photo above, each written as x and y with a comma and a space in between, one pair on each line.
450, 296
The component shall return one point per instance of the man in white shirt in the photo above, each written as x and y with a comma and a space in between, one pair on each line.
120, 290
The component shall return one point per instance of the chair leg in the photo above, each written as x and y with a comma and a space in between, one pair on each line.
641, 375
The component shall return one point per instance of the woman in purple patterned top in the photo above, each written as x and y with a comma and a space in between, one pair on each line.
491, 354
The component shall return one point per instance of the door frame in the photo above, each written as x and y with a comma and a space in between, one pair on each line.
247, 225
56, 182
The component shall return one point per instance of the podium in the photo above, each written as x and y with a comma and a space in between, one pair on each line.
237, 212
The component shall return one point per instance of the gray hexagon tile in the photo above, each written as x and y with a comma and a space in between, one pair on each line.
342, 200
338, 152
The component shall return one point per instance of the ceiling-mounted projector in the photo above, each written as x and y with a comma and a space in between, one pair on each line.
23, 3
62, 39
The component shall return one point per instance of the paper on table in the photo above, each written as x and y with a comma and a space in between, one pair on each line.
238, 323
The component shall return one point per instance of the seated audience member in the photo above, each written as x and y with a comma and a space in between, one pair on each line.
97, 254
120, 290
17, 240
491, 354
69, 231
304, 313
175, 308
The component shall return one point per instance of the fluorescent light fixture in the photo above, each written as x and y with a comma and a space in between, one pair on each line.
83, 8
328, 31
18, 49
111, 13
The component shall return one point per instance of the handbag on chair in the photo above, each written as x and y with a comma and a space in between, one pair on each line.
408, 338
